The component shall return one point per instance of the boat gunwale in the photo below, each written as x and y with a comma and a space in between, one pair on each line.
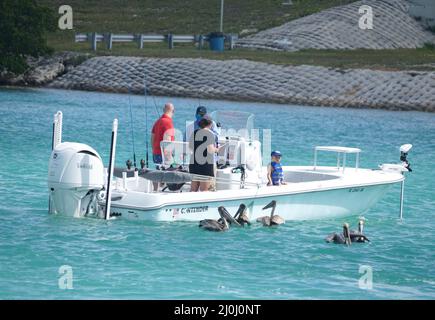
119, 205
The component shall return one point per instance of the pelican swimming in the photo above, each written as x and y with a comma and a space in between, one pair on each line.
231, 220
271, 220
216, 225
358, 236
241, 216
340, 238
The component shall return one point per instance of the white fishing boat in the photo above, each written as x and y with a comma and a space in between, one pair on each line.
80, 185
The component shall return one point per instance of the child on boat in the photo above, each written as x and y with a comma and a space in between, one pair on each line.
275, 175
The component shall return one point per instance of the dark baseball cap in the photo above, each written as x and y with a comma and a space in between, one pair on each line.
201, 110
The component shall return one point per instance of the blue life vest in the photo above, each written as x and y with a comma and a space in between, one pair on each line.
277, 173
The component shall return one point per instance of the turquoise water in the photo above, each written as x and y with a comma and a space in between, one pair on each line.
150, 260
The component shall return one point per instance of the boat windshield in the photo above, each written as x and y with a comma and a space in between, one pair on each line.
234, 123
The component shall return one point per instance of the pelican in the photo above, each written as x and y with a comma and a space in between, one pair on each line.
358, 236
216, 225
271, 220
241, 216
340, 238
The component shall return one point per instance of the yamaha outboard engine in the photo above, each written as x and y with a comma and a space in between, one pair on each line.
75, 178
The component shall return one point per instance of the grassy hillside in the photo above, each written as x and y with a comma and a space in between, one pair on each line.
193, 16
179, 17
202, 16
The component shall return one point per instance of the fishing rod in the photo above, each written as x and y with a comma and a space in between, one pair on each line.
146, 120
132, 127
155, 107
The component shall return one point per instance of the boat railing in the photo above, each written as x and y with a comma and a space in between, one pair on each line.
175, 153
341, 154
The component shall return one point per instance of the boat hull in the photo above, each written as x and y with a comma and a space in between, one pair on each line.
291, 206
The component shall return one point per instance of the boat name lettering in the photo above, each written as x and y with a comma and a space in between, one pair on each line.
356, 189
194, 209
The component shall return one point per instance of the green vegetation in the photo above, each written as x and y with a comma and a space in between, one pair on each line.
429, 46
431, 29
186, 17
178, 17
398, 59
23, 25
202, 16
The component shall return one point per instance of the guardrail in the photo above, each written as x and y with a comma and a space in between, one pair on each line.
171, 39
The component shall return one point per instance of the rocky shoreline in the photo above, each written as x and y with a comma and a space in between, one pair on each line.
244, 80
338, 28
42, 70
240, 80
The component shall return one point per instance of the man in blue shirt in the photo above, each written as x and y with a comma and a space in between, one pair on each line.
201, 111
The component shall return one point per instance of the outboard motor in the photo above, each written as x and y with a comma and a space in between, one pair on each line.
75, 178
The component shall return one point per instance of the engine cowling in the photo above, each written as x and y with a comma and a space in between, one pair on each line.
75, 176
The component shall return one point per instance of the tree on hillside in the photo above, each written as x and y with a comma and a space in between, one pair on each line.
23, 25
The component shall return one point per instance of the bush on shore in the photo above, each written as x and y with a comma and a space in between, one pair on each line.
24, 25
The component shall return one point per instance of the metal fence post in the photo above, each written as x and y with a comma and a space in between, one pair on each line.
231, 41
140, 39
94, 41
109, 38
171, 41
201, 42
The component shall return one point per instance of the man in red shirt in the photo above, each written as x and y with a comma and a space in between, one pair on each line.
163, 130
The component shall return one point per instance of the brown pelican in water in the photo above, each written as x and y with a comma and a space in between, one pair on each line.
273, 219
217, 225
340, 238
223, 224
358, 236
241, 216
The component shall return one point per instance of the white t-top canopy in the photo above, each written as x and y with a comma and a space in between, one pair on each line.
338, 149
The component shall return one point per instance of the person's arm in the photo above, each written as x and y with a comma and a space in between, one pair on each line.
269, 175
169, 133
225, 145
211, 148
